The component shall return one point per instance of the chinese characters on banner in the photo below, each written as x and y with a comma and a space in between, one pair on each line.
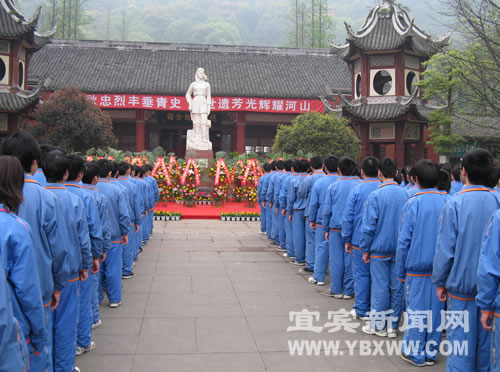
176, 103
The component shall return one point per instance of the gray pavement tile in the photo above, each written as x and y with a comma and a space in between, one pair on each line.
187, 264
111, 344
275, 323
225, 244
262, 304
157, 299
211, 284
241, 362
255, 244
204, 256
165, 336
104, 363
226, 334
348, 362
249, 256
174, 310
119, 326
191, 270
282, 361
133, 306
140, 283
171, 284
185, 244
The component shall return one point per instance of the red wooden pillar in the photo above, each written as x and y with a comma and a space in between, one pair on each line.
399, 151
140, 131
240, 133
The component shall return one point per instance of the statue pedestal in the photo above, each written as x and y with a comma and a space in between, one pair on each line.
203, 157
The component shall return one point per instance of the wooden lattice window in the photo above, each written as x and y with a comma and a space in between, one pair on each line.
382, 131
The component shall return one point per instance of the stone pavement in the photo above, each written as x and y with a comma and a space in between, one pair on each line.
216, 296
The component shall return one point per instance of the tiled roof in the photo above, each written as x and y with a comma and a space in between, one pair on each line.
168, 69
12, 102
388, 27
480, 128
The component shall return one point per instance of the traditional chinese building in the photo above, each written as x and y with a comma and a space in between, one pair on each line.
18, 41
385, 59
143, 85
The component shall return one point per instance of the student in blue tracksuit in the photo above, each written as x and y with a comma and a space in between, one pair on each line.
151, 198
456, 183
260, 198
269, 212
332, 212
488, 287
273, 180
19, 262
38, 175
414, 256
41, 209
119, 221
283, 198
305, 191
463, 221
295, 209
318, 192
89, 180
134, 208
13, 350
155, 192
84, 341
379, 235
278, 208
139, 174
351, 235
55, 168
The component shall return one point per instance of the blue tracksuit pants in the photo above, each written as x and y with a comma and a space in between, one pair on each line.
94, 298
65, 319
43, 361
420, 297
129, 252
263, 220
145, 230
275, 232
84, 330
112, 270
341, 281
478, 340
151, 223
282, 230
321, 255
387, 290
495, 345
290, 251
269, 222
310, 244
362, 283
299, 237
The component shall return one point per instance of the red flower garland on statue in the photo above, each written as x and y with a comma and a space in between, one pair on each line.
191, 163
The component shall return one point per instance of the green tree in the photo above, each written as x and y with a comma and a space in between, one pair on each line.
441, 82
70, 120
318, 134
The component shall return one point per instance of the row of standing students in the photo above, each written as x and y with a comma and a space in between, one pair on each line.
397, 241
70, 231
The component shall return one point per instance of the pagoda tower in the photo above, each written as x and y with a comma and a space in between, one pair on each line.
386, 59
18, 41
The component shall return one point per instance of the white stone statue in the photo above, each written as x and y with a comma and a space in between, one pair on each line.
198, 138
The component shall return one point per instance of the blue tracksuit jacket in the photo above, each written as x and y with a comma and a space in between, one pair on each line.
418, 233
381, 220
41, 209
117, 207
462, 223
133, 199
284, 189
102, 207
353, 212
293, 200
318, 193
456, 186
332, 210
261, 186
305, 190
19, 264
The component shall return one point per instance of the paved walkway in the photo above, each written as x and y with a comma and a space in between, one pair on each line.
215, 296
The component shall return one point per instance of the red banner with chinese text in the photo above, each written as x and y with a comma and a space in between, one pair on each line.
177, 103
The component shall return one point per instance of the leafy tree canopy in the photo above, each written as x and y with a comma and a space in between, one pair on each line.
317, 134
69, 120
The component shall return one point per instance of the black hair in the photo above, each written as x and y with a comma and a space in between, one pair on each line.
267, 167
478, 164
332, 163
76, 164
369, 165
123, 167
316, 162
410, 175
24, 147
273, 165
104, 167
114, 168
90, 171
55, 166
427, 173
288, 165
11, 182
280, 165
444, 183
399, 177
45, 149
495, 176
302, 165
348, 166
295, 166
388, 167
455, 172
